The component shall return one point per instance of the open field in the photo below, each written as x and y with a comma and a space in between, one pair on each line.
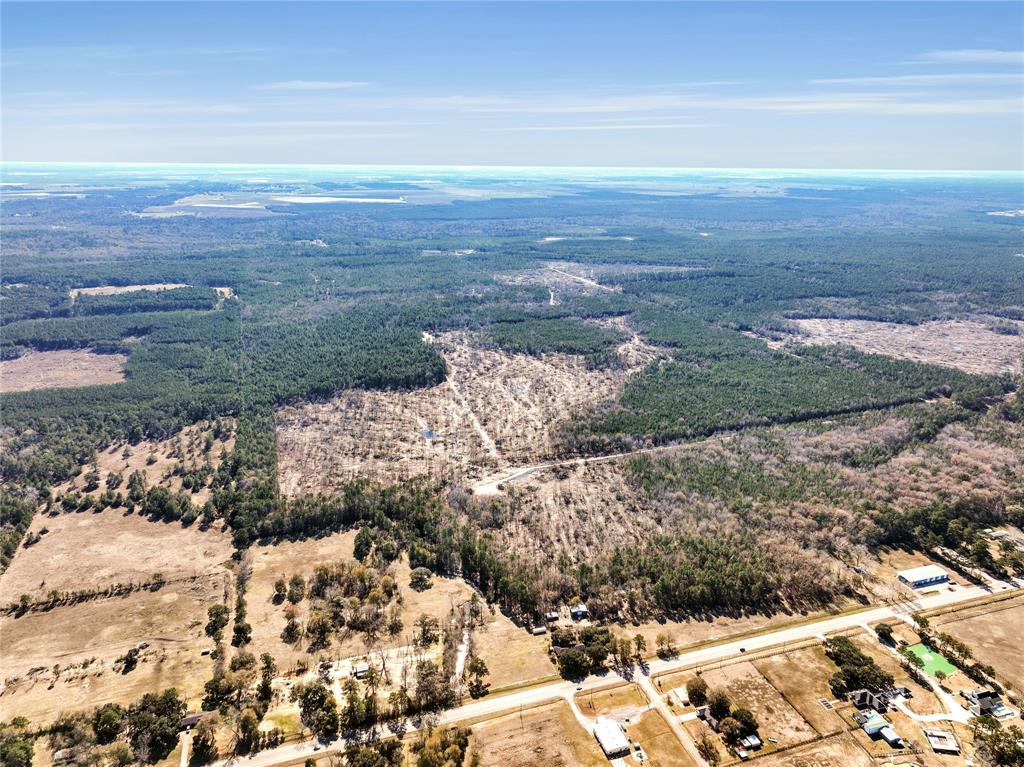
970, 345
837, 751
85, 640
90, 550
746, 688
993, 636
801, 677
113, 290
548, 736
63, 369
495, 409
661, 745
512, 654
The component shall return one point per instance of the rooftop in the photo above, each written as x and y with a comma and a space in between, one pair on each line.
922, 573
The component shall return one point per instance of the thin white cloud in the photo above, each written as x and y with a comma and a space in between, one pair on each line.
961, 78
607, 126
976, 56
889, 102
311, 85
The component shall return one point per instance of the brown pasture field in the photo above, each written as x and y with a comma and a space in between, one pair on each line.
966, 344
801, 677
65, 369
993, 636
658, 741
85, 640
85, 550
837, 751
746, 688
548, 736
495, 410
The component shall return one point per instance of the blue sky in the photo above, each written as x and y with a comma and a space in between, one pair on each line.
759, 84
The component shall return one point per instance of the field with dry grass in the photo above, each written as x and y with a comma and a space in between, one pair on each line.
191, 448
624, 701
970, 345
658, 741
548, 736
837, 751
90, 550
66, 658
801, 678
993, 635
64, 369
512, 654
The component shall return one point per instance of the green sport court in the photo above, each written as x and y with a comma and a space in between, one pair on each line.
931, 660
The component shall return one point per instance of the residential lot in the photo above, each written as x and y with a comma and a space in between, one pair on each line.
548, 736
747, 688
801, 677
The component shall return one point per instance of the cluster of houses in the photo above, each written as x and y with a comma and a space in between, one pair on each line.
578, 612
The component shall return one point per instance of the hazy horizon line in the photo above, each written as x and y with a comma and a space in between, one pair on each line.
520, 167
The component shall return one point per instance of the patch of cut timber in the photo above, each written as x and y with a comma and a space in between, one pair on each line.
60, 370
970, 345
496, 410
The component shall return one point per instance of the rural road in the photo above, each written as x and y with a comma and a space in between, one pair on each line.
702, 656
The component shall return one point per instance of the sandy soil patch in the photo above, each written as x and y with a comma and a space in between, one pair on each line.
91, 550
993, 636
970, 345
746, 688
496, 409
549, 735
63, 369
84, 641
